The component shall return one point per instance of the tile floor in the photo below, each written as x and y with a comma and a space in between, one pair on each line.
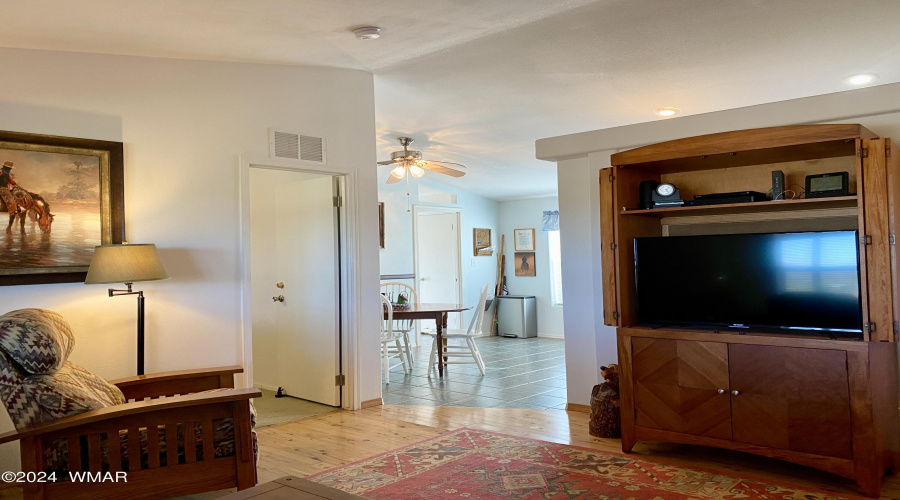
519, 373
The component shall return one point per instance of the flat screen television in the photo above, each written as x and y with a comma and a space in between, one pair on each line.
772, 281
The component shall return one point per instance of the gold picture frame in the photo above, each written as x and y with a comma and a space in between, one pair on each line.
80, 182
523, 240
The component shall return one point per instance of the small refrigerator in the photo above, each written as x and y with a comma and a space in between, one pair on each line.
517, 316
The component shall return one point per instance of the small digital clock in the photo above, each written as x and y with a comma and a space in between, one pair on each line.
827, 185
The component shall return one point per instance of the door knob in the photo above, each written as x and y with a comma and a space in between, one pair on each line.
279, 284
735, 393
721, 391
280, 298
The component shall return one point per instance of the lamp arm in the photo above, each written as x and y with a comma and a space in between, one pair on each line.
115, 292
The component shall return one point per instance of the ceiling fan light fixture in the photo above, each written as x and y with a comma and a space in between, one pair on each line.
416, 171
399, 171
367, 33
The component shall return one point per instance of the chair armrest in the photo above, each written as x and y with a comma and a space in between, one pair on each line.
155, 385
130, 409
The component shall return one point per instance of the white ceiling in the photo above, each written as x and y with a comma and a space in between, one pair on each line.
477, 82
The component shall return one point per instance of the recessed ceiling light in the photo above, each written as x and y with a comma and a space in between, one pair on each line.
667, 111
861, 79
367, 33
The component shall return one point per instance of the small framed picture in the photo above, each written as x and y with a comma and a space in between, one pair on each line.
381, 225
525, 264
524, 239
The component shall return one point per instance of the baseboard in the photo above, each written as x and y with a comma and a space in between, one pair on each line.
266, 387
578, 408
550, 336
371, 403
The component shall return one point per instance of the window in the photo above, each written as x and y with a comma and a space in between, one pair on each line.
556, 291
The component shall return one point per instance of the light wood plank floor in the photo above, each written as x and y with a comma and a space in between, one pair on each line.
322, 442
318, 443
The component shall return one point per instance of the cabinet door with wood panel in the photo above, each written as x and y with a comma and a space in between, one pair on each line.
608, 247
791, 398
876, 240
682, 386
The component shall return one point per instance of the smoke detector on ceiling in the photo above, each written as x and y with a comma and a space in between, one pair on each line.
367, 33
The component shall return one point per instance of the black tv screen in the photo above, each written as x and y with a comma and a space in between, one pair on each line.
803, 281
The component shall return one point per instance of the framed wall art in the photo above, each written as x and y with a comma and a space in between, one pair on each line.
524, 239
61, 196
525, 264
381, 225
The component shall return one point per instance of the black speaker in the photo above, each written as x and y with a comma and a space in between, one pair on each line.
647, 188
777, 185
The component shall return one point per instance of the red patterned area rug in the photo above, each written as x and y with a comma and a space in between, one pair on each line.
472, 464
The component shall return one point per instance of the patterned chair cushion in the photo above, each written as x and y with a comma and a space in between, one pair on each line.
39, 341
21, 406
70, 391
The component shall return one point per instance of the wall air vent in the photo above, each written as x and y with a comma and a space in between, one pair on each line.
296, 146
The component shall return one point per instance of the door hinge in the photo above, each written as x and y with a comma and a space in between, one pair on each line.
612, 177
340, 380
892, 239
887, 149
870, 327
613, 246
863, 153
338, 201
615, 315
865, 240
896, 327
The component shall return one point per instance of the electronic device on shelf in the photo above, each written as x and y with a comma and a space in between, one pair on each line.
827, 185
777, 185
666, 195
765, 282
726, 198
646, 189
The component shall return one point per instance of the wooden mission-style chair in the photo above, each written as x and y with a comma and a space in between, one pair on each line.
174, 433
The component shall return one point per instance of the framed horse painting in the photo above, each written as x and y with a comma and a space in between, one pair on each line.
63, 196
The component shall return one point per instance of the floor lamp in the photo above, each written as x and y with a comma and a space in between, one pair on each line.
127, 264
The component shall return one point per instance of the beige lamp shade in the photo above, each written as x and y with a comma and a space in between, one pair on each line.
125, 264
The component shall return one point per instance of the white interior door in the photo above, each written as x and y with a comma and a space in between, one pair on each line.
437, 269
294, 241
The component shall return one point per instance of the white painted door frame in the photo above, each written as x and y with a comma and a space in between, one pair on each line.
439, 209
350, 271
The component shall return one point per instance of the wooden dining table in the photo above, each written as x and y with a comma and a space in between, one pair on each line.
437, 312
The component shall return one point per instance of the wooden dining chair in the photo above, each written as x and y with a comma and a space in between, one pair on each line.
389, 337
467, 349
392, 290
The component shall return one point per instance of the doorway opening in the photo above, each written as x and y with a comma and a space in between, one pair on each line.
295, 239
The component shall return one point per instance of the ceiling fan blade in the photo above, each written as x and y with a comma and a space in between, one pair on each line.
449, 163
387, 162
430, 165
392, 180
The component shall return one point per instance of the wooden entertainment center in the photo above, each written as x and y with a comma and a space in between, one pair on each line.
825, 403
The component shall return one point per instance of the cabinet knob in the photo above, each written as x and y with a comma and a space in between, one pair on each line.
721, 391
735, 393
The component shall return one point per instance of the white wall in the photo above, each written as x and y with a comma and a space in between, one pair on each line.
397, 255
184, 124
528, 214
579, 157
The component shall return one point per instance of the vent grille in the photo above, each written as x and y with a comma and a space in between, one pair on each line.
297, 146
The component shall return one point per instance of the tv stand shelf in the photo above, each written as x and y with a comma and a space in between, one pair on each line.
747, 208
826, 403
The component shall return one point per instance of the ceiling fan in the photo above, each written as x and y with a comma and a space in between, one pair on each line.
409, 162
